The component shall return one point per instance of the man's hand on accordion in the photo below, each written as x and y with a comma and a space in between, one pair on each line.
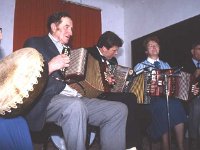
58, 62
195, 89
110, 78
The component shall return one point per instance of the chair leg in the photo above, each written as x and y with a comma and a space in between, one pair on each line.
88, 141
45, 144
150, 144
91, 129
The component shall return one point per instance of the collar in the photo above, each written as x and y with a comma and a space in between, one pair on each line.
99, 51
101, 55
195, 61
152, 60
58, 45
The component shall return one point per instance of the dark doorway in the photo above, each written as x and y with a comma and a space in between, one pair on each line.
175, 41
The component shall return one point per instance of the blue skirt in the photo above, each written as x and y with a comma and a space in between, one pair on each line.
159, 113
14, 134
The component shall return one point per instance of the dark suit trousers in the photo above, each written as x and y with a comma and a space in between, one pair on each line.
137, 120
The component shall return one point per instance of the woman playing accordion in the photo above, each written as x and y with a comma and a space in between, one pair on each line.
158, 105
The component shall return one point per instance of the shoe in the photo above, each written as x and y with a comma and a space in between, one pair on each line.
132, 148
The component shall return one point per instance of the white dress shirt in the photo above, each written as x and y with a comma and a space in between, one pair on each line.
196, 62
68, 91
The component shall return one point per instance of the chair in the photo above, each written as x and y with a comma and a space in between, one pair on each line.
43, 137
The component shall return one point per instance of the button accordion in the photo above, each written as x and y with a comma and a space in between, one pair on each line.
177, 84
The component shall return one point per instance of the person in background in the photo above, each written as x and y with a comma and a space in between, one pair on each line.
158, 105
192, 66
14, 132
1, 37
63, 105
1, 34
105, 51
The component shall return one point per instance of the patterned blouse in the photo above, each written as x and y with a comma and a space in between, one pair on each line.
148, 64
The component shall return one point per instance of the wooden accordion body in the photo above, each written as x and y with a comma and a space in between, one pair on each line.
92, 85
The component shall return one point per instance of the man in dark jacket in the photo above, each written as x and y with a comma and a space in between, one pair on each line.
105, 51
64, 106
193, 67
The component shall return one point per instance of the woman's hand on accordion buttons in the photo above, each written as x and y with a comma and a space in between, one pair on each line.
58, 62
195, 89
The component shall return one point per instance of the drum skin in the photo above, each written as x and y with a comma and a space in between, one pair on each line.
22, 77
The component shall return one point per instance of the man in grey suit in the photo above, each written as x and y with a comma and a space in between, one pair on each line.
64, 106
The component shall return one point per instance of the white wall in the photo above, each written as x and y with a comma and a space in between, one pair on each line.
110, 10
143, 17
129, 19
6, 22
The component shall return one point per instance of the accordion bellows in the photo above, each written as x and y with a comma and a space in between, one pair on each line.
92, 85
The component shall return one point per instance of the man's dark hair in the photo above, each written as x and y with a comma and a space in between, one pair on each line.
56, 18
195, 44
109, 39
1, 29
151, 38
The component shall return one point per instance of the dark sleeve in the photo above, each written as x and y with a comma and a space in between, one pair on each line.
32, 42
189, 67
55, 86
93, 51
38, 44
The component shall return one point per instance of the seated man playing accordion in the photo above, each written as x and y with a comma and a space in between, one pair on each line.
105, 51
158, 105
64, 106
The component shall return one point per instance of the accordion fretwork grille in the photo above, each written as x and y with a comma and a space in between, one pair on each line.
77, 62
183, 86
120, 76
